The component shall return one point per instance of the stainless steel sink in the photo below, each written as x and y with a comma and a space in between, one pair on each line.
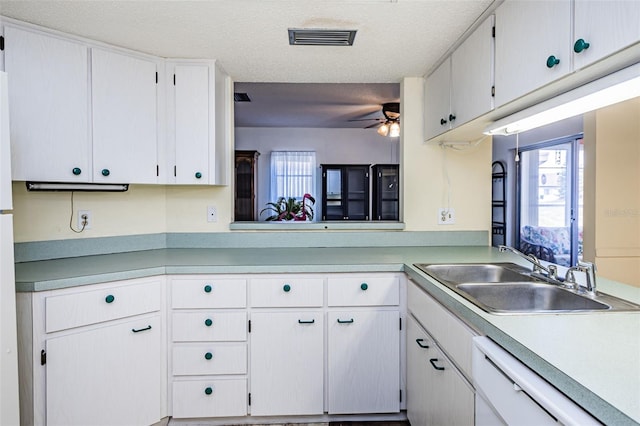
508, 288
476, 272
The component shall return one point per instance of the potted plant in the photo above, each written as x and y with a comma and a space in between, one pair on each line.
289, 209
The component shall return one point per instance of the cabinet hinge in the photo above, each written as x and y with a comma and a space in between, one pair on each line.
43, 357
400, 324
249, 398
493, 91
156, 77
175, 171
400, 395
249, 329
493, 31
174, 79
157, 170
1, 42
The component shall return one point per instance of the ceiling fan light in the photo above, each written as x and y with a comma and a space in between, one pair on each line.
394, 130
383, 130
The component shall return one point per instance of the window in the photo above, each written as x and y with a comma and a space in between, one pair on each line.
551, 200
292, 174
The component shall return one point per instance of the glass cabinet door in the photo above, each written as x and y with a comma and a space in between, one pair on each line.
386, 194
345, 192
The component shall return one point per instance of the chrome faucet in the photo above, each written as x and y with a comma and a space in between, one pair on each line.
589, 269
551, 270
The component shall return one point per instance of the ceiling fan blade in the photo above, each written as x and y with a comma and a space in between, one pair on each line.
372, 126
368, 119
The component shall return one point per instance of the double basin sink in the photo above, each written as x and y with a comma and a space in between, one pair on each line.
508, 288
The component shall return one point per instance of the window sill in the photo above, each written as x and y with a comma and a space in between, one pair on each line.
313, 226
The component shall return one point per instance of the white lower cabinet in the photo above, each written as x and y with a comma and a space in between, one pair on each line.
104, 365
439, 390
208, 355
363, 362
287, 360
106, 376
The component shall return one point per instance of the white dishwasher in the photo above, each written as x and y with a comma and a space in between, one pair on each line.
509, 393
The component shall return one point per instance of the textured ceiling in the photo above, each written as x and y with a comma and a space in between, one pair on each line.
395, 39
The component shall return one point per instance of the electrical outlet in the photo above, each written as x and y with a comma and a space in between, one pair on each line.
212, 214
85, 220
446, 216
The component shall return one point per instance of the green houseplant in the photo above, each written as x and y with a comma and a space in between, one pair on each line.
289, 209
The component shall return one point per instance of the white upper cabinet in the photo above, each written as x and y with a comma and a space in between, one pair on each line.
124, 102
533, 41
603, 27
191, 121
460, 89
49, 107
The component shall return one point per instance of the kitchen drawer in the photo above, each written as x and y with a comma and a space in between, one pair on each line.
287, 291
208, 292
209, 326
209, 358
89, 307
363, 291
453, 336
210, 398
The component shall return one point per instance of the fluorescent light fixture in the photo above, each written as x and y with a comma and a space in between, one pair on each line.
86, 187
609, 90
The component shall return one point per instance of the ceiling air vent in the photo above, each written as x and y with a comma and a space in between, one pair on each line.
241, 97
321, 37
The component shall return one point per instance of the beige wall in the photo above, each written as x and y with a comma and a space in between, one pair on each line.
149, 209
612, 211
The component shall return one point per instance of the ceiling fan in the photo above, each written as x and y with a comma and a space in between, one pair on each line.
390, 124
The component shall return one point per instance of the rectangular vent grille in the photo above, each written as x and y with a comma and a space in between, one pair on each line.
241, 97
320, 37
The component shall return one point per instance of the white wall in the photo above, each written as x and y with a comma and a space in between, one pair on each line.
332, 146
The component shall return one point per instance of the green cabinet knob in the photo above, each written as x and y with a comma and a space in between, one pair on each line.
109, 298
105, 172
198, 175
208, 391
76, 171
364, 286
552, 61
580, 45
208, 355
286, 288
208, 322
207, 288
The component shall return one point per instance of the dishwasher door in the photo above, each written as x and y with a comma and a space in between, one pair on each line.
515, 395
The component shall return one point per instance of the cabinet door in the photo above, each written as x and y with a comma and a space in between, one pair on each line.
193, 129
49, 113
90, 375
363, 362
437, 100
528, 33
418, 387
386, 192
287, 360
472, 76
357, 192
607, 26
124, 118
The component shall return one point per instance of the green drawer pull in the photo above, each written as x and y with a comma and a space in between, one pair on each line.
76, 171
138, 330
349, 321
207, 288
208, 355
580, 45
552, 61
105, 172
286, 288
433, 364
198, 175
109, 299
208, 322
364, 286
208, 391
306, 322
419, 342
